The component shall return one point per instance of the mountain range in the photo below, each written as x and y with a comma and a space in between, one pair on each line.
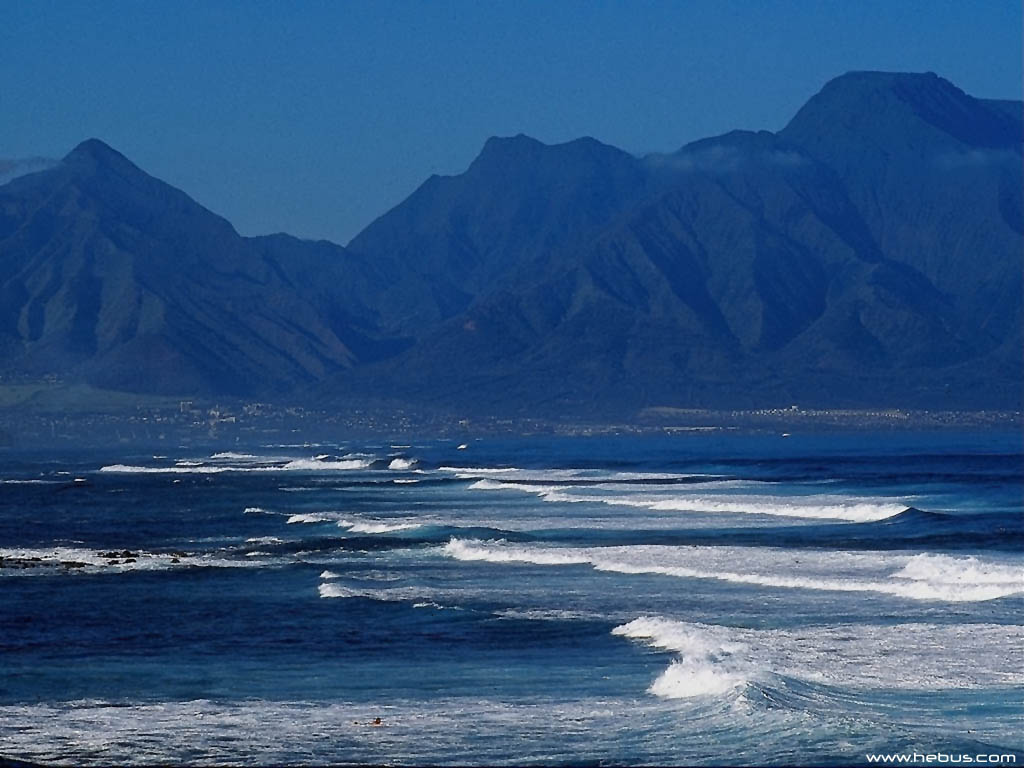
869, 254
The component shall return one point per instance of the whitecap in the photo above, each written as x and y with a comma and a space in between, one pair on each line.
916, 577
402, 463
914, 656
310, 517
710, 663
376, 527
313, 465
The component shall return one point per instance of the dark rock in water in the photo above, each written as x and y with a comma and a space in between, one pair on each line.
113, 562
74, 564
129, 560
175, 560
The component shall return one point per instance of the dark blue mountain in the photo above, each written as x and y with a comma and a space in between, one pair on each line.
868, 254
112, 277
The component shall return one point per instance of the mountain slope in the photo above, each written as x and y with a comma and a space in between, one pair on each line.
869, 254
113, 276
519, 202
865, 255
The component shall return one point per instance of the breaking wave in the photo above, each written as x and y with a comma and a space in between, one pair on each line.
816, 507
402, 463
709, 663
715, 659
311, 517
376, 527
916, 577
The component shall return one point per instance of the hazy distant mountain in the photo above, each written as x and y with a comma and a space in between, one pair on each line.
12, 168
868, 254
520, 202
111, 276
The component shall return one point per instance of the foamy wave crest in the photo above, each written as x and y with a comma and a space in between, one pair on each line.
402, 463
255, 511
906, 656
817, 507
376, 527
497, 485
965, 577
310, 517
188, 468
811, 507
918, 577
709, 663
231, 455
328, 575
498, 553
314, 465
197, 467
73, 558
569, 476
331, 591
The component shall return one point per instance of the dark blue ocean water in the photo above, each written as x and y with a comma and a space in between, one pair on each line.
701, 598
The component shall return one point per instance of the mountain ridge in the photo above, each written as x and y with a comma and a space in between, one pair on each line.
869, 253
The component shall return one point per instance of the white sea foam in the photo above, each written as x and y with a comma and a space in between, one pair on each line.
916, 577
313, 465
311, 517
714, 659
547, 614
611, 490
470, 550
75, 557
402, 463
255, 511
331, 590
496, 485
326, 575
189, 468
517, 475
812, 507
405, 480
376, 527
264, 540
710, 664
196, 467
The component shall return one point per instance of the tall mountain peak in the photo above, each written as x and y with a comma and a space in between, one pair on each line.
515, 150
884, 104
93, 154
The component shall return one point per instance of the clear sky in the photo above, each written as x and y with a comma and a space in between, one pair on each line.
315, 117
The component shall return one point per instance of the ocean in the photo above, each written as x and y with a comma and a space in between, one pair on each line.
702, 598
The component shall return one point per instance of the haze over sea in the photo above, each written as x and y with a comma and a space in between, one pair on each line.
703, 598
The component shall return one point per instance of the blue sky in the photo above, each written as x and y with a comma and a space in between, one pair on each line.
315, 117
